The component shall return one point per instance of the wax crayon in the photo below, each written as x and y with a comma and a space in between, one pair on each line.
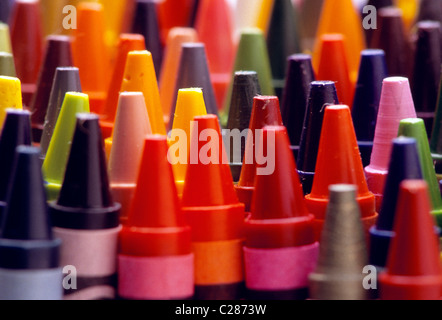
57, 54
54, 164
190, 104
169, 69
339, 162
172, 13
16, 131
265, 112
378, 4
10, 96
333, 66
372, 71
341, 17
155, 259
214, 24
30, 267
127, 43
85, 217
436, 138
5, 10
5, 38
427, 70
215, 216
265, 12
131, 127
90, 53
245, 88
429, 10
343, 252
300, 74
7, 65
322, 93
396, 104
310, 12
415, 128
246, 15
409, 9
404, 165
26, 32
391, 37
194, 72
283, 40
413, 269
252, 55
66, 79
279, 231
146, 23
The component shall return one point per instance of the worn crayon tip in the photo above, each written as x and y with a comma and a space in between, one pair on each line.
413, 269
10, 95
343, 250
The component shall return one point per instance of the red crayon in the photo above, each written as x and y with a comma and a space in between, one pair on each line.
156, 260
280, 249
413, 270
174, 13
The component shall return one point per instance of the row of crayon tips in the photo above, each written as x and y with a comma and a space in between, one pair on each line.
107, 184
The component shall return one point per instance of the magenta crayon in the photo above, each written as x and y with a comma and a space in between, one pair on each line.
396, 104
280, 230
86, 218
155, 259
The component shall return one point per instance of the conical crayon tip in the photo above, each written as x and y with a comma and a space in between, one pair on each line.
10, 95
85, 200
7, 64
131, 127
413, 267
5, 38
343, 250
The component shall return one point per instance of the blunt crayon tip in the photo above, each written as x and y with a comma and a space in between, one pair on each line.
413, 269
342, 254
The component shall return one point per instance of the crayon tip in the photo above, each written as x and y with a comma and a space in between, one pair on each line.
413, 267
10, 95
54, 164
265, 112
7, 64
174, 14
131, 127
429, 10
5, 38
85, 200
343, 250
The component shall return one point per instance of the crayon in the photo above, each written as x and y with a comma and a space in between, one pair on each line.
5, 38
85, 217
415, 128
263, 19
396, 104
172, 54
215, 216
26, 32
341, 17
245, 88
283, 40
252, 55
190, 104
404, 165
265, 112
57, 54
155, 260
343, 251
16, 131
279, 231
146, 23
310, 12
131, 127
295, 97
214, 25
392, 37
333, 66
66, 79
436, 138
10, 96
339, 162
409, 9
5, 10
54, 164
372, 71
172, 13
90, 53
30, 266
427, 70
126, 44
322, 93
139, 76
246, 15
429, 10
413, 269
194, 73
7, 65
